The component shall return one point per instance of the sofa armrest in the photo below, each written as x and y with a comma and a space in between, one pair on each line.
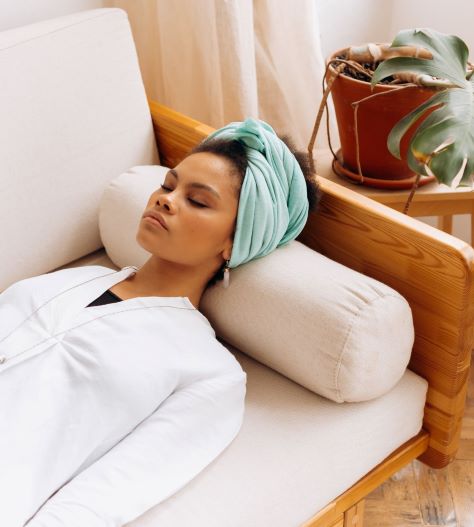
175, 133
433, 270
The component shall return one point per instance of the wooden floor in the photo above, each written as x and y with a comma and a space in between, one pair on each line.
420, 496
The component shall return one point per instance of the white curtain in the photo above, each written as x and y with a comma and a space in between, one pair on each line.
220, 61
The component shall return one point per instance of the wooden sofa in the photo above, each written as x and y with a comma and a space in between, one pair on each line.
75, 116
433, 270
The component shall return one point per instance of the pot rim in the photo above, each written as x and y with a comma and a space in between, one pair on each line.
379, 85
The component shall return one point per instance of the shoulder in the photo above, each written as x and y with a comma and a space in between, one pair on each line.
200, 335
54, 279
83, 271
229, 365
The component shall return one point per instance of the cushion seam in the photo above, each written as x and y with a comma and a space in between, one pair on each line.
351, 326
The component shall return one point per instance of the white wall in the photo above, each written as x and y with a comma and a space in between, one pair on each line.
22, 12
347, 22
454, 17
344, 23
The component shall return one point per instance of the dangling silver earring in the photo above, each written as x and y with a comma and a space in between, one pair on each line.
225, 282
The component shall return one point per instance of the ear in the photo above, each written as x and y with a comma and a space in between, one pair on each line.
227, 253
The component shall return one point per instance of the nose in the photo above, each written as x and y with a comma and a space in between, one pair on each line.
164, 201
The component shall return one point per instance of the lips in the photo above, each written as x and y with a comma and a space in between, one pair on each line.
158, 217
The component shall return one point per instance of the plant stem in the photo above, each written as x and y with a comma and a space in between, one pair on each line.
328, 133
412, 193
319, 115
372, 52
356, 130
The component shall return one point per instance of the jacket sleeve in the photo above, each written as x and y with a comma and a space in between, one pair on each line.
163, 453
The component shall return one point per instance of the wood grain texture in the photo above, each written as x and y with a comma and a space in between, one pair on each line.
339, 522
395, 502
434, 495
175, 133
354, 517
392, 514
461, 481
466, 443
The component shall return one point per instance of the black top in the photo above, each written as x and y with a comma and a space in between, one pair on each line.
105, 298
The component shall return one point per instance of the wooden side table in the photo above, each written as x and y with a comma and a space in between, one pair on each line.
432, 199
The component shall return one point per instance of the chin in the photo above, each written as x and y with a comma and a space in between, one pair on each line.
145, 242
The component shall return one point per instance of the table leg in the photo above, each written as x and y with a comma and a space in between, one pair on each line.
445, 223
472, 226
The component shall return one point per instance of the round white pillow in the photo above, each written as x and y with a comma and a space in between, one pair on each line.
120, 210
338, 332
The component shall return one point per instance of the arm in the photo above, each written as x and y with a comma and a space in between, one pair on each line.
163, 453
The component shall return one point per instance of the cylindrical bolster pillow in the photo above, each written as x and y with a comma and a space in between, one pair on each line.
339, 333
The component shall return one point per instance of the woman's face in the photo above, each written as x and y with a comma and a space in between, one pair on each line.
199, 204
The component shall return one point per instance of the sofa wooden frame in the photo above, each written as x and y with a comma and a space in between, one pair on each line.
430, 268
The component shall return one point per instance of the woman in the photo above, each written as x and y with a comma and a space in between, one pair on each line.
124, 394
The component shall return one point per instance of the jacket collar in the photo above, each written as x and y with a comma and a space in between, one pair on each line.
72, 303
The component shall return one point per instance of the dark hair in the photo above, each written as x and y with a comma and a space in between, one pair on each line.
235, 152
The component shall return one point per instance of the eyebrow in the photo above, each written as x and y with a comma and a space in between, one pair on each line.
195, 184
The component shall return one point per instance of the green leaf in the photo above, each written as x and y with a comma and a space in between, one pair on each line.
450, 50
450, 55
446, 164
415, 165
399, 130
453, 123
407, 64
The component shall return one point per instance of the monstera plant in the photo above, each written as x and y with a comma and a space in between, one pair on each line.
443, 144
405, 111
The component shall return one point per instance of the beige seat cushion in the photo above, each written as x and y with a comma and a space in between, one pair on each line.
295, 452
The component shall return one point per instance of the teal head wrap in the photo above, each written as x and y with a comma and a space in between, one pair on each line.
273, 203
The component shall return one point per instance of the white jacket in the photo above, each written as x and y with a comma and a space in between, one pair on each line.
106, 411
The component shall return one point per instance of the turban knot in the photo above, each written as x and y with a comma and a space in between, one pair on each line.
273, 202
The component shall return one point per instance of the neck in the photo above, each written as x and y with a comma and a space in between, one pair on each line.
158, 277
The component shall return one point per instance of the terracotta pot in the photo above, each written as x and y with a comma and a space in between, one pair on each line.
376, 117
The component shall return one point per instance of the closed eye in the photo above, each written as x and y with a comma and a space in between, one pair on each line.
195, 203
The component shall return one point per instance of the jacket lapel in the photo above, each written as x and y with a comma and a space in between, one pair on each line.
65, 309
